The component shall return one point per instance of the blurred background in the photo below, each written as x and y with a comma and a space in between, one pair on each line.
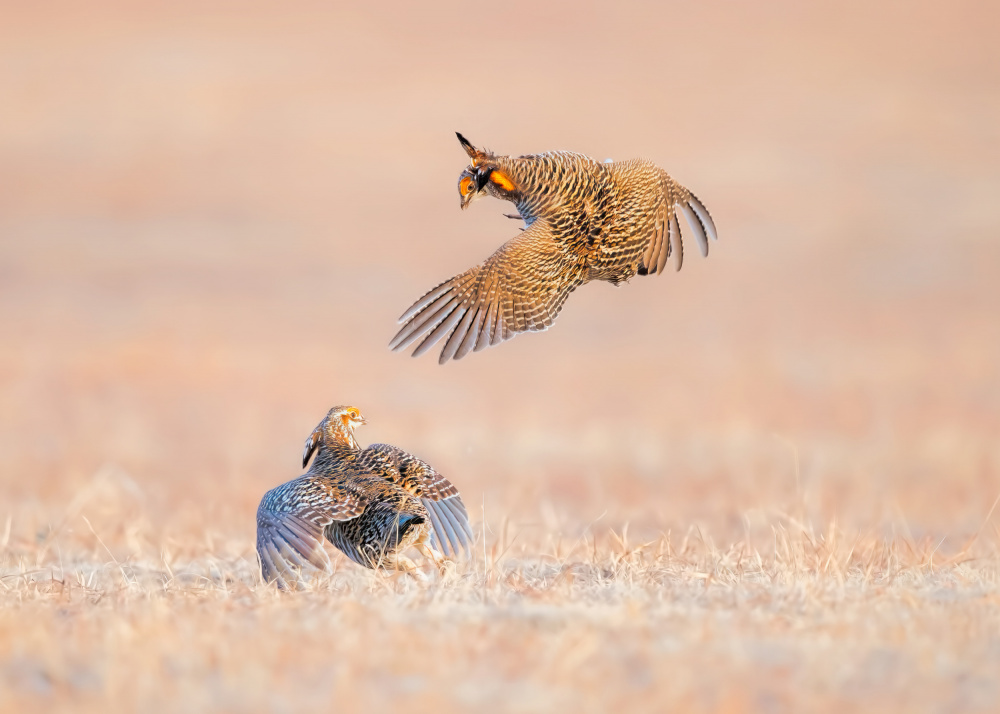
211, 216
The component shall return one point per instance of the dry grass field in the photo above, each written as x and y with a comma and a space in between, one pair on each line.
765, 483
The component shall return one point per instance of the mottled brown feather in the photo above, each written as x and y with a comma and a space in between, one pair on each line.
584, 221
371, 503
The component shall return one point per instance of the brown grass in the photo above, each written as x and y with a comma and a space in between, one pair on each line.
765, 483
786, 617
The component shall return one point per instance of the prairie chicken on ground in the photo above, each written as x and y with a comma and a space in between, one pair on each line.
584, 221
371, 503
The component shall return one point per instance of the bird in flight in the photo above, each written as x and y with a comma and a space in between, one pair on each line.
583, 220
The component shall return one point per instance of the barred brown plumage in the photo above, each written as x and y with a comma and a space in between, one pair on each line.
371, 503
584, 221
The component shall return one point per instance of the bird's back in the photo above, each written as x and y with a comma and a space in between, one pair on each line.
604, 212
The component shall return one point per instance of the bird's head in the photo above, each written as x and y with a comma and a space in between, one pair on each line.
470, 187
337, 427
482, 177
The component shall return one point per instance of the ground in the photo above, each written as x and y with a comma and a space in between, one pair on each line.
768, 482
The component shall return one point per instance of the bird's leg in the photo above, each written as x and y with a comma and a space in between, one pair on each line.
446, 568
515, 216
407, 566
432, 555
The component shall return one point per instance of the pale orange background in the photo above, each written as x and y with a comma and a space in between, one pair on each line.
209, 221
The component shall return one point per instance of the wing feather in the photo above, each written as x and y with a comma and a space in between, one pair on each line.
472, 334
291, 521
459, 334
676, 246
446, 534
665, 234
443, 328
654, 257
437, 542
485, 337
461, 518
704, 216
700, 236
428, 298
267, 567
520, 288
666, 249
270, 552
427, 319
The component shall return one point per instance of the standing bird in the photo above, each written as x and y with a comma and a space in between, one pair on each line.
371, 503
584, 221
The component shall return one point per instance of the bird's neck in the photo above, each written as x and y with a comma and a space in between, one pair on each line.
332, 452
340, 432
544, 180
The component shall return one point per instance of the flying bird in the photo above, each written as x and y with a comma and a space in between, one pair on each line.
583, 220
371, 503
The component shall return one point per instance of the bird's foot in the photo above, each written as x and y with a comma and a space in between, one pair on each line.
446, 568
405, 566
448, 571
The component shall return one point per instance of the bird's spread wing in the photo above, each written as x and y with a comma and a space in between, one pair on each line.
450, 520
665, 238
521, 287
291, 521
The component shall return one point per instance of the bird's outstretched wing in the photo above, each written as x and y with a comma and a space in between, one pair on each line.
450, 521
665, 236
292, 519
520, 288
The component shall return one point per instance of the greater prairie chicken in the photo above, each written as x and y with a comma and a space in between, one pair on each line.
371, 503
584, 221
